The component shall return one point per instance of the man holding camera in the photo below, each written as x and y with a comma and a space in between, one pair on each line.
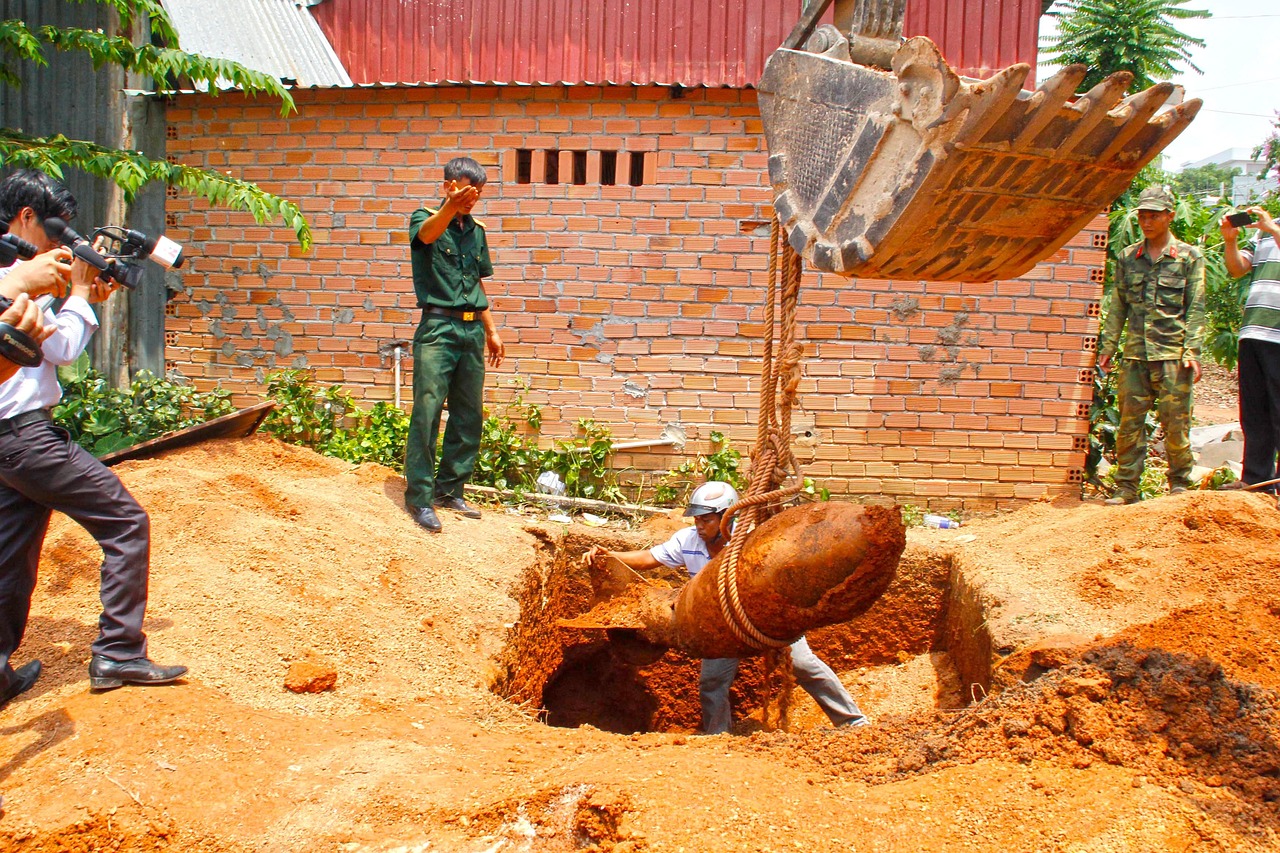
42, 470
450, 256
1158, 295
1259, 358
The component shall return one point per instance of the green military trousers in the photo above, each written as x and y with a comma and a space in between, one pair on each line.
448, 365
1166, 385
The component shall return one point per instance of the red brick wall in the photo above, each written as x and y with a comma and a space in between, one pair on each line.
635, 306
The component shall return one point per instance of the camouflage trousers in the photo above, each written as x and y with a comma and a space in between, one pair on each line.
1167, 386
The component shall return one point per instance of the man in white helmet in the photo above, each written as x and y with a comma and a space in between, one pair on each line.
694, 547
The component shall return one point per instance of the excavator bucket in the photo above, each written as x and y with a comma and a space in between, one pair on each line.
914, 173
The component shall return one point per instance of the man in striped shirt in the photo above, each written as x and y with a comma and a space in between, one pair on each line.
1259, 365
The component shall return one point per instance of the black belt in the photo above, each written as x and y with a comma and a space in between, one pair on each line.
16, 422
466, 316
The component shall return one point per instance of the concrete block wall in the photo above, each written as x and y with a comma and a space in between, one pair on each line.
629, 291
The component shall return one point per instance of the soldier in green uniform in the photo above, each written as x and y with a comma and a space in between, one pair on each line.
450, 259
1158, 296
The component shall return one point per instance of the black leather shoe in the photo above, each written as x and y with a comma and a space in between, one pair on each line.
459, 506
23, 678
106, 674
426, 518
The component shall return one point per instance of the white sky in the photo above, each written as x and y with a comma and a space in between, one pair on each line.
1240, 85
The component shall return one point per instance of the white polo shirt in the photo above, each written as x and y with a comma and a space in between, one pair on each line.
686, 549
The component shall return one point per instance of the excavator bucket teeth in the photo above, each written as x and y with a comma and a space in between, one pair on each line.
918, 174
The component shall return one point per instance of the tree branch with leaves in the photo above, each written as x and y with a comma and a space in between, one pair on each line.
169, 67
1138, 36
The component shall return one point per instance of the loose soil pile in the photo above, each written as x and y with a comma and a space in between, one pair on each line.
1147, 637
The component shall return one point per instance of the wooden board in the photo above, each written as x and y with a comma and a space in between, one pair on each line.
235, 425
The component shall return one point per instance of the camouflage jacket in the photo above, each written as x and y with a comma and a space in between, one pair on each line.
1161, 302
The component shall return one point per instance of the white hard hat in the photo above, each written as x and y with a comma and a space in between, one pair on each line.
712, 496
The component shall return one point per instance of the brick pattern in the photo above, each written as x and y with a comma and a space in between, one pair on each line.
636, 306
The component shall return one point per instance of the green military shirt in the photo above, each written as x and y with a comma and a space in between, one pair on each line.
1161, 302
447, 273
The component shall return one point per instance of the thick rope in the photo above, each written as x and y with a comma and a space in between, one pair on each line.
772, 462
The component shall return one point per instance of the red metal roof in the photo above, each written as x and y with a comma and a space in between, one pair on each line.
979, 37
628, 42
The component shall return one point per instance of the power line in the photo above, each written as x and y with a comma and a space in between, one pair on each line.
1233, 85
1230, 113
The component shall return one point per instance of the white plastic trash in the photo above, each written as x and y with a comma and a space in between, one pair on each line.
549, 483
940, 521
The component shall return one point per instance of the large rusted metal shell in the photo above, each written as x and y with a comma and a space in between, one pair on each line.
918, 174
802, 569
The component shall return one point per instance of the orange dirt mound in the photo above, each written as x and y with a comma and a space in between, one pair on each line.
1149, 634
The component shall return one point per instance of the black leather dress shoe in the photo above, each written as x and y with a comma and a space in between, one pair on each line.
107, 674
426, 518
23, 678
459, 506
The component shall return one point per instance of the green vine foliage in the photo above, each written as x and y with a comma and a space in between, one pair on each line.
722, 463
103, 419
329, 421
169, 67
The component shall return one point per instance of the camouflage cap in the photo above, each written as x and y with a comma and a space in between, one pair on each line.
1155, 198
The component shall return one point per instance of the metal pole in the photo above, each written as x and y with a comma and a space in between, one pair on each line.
396, 356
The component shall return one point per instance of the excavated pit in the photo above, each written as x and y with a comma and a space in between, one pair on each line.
922, 644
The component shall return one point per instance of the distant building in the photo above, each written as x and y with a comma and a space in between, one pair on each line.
1251, 184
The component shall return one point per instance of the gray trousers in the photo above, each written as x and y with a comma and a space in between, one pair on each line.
818, 680
41, 470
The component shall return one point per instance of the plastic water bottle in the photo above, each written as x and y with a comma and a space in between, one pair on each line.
941, 522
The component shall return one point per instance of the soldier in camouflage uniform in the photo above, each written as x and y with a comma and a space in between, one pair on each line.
1158, 296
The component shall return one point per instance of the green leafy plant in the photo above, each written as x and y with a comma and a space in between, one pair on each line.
103, 419
305, 413
378, 435
508, 458
912, 515
583, 463
723, 463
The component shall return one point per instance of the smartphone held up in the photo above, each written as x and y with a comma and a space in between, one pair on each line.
1241, 219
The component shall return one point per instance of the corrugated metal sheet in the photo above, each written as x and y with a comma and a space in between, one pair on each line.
639, 42
627, 42
276, 37
979, 37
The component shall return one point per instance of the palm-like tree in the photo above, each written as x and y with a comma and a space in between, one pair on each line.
1137, 36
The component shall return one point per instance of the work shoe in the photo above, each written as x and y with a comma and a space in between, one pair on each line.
1177, 490
457, 505
107, 674
426, 518
1121, 500
23, 678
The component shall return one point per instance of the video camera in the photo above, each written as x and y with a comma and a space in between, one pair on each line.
15, 345
123, 250
13, 247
